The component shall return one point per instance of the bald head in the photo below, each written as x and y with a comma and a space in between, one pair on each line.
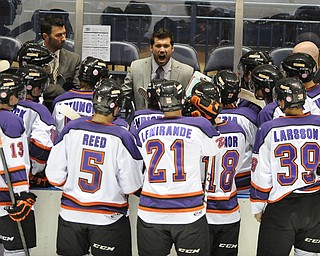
308, 47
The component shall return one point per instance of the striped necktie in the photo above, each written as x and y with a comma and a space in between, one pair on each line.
55, 70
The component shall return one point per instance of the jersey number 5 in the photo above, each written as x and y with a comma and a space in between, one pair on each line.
90, 165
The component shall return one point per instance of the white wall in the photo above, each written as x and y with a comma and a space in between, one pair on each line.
47, 208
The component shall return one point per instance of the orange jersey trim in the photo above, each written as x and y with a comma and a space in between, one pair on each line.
15, 169
39, 145
223, 211
93, 203
198, 193
266, 190
224, 198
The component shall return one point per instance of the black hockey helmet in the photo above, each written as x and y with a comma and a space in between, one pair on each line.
291, 90
11, 85
152, 95
92, 70
33, 53
264, 78
205, 97
170, 95
229, 84
33, 76
107, 96
300, 65
252, 59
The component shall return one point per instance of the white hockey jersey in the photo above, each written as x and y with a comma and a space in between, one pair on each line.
15, 147
247, 119
40, 130
96, 166
79, 101
313, 100
222, 201
172, 148
285, 156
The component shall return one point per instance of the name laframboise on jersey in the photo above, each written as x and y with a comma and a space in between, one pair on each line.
294, 134
165, 131
94, 141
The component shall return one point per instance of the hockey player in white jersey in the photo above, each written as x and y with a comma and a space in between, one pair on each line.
223, 213
245, 117
38, 122
285, 188
263, 79
303, 66
80, 100
171, 208
99, 166
15, 148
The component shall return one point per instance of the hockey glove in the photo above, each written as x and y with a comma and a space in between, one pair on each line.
23, 207
38, 180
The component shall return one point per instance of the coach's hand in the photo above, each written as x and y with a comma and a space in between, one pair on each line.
23, 207
258, 216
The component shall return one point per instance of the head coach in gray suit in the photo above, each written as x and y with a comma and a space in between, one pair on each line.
158, 66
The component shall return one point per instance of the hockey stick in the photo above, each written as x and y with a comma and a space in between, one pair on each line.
13, 199
143, 92
68, 112
249, 96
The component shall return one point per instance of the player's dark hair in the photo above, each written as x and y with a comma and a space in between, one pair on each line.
162, 33
49, 21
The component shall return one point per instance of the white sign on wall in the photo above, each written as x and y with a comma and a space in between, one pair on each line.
96, 41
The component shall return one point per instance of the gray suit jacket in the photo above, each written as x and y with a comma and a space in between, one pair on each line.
139, 74
69, 66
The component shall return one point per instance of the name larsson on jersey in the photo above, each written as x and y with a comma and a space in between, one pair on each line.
294, 134
166, 131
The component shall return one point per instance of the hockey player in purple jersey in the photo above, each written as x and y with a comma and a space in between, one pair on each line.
223, 213
99, 166
171, 208
245, 117
303, 66
38, 122
16, 157
285, 188
263, 79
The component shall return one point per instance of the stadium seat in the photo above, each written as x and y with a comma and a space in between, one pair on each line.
186, 54
221, 57
279, 54
9, 47
122, 54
